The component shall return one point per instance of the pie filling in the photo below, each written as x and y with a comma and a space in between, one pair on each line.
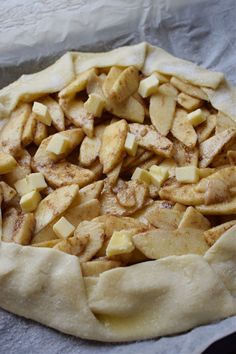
118, 168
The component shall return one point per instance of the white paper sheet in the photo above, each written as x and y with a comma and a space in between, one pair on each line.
34, 33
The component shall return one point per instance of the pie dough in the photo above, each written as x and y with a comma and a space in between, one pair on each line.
145, 300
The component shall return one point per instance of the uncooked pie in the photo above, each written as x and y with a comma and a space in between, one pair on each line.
118, 195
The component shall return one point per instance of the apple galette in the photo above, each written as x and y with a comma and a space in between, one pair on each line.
118, 195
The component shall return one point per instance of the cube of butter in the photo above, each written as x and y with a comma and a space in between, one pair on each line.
63, 228
158, 175
148, 86
131, 144
22, 186
95, 105
30, 201
58, 144
41, 113
141, 175
120, 242
36, 181
7, 163
196, 117
187, 174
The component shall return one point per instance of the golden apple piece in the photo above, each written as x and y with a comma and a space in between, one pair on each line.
96, 234
205, 129
84, 211
41, 133
55, 111
113, 200
90, 147
148, 138
130, 258
76, 113
183, 194
54, 205
91, 191
46, 234
29, 130
8, 192
21, 170
183, 155
7, 163
126, 84
211, 147
112, 148
89, 150
189, 89
111, 78
10, 135
94, 86
213, 234
188, 102
222, 208
205, 172
47, 244
78, 85
223, 122
156, 244
141, 215
130, 163
192, 219
9, 219
97, 266
217, 191
112, 176
164, 218
24, 228
168, 90
180, 207
64, 174
183, 130
226, 175
131, 109
72, 245
131, 194
117, 223
161, 110
97, 170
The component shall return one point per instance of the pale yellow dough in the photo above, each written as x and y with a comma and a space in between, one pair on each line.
141, 301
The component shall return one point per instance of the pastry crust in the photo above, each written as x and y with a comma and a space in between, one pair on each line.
145, 300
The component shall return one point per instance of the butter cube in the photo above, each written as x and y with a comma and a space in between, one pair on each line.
148, 86
131, 144
7, 163
63, 228
58, 144
196, 117
120, 242
187, 174
41, 113
158, 175
141, 175
30, 201
22, 186
36, 181
95, 105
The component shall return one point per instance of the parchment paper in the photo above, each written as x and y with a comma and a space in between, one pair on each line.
34, 33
